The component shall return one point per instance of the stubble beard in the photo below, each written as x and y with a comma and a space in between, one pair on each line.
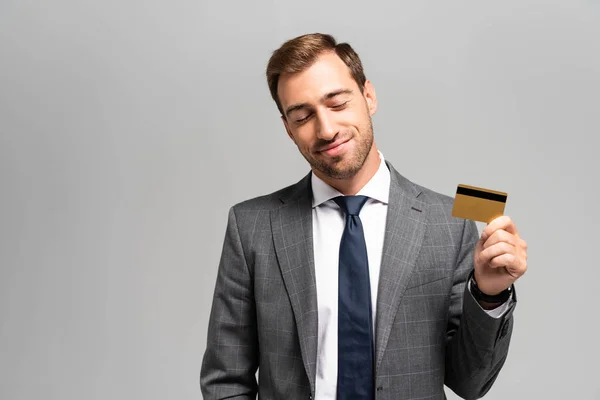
336, 168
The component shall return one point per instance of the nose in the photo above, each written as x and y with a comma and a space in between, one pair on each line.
326, 129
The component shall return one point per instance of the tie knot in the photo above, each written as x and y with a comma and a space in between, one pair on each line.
351, 204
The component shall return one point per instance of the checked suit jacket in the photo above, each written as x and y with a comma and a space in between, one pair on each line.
429, 330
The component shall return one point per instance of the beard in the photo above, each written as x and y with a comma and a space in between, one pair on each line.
346, 165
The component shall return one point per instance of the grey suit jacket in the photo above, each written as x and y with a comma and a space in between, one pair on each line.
429, 330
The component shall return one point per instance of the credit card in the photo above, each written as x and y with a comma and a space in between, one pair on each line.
478, 204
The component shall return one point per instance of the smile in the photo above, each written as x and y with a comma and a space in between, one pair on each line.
332, 151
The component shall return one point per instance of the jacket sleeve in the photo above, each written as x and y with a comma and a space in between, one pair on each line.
230, 361
477, 343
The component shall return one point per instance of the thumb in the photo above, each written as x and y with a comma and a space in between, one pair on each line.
482, 238
479, 248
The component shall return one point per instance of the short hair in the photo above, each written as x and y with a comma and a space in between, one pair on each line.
299, 53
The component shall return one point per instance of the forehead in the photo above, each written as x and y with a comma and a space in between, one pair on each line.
326, 74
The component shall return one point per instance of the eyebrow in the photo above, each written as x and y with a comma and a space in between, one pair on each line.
327, 96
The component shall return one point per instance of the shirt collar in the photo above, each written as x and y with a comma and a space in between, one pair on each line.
378, 187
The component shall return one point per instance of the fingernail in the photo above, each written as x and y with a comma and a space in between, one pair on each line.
484, 236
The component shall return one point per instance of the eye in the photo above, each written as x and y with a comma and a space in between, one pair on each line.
302, 120
338, 106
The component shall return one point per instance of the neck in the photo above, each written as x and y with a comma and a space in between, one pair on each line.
351, 186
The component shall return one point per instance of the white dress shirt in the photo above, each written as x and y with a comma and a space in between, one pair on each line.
328, 227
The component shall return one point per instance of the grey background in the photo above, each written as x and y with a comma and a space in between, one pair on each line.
127, 130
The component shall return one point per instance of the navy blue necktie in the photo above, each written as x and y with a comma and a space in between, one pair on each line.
355, 328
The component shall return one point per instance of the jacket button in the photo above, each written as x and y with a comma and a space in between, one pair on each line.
379, 388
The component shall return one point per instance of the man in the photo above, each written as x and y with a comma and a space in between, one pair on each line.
354, 283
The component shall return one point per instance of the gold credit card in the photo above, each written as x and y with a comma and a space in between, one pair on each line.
478, 204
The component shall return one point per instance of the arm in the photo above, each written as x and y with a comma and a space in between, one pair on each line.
231, 358
477, 343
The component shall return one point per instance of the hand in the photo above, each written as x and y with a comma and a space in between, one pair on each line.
500, 256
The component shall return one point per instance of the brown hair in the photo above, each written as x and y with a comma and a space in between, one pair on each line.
299, 53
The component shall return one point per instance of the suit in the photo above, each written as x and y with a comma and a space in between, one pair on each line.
429, 329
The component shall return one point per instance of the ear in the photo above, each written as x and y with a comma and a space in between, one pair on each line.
287, 128
370, 97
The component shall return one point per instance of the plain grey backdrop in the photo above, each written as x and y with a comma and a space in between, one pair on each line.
128, 129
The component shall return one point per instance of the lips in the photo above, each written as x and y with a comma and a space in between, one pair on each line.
334, 148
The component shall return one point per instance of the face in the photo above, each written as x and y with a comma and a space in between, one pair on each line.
328, 116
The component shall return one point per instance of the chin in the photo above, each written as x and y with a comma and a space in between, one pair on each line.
341, 170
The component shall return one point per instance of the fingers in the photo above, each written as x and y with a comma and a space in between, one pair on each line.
505, 255
501, 236
503, 260
514, 265
500, 250
503, 222
495, 251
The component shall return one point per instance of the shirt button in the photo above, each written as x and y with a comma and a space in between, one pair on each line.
379, 388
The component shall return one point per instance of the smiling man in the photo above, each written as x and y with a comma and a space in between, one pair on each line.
354, 283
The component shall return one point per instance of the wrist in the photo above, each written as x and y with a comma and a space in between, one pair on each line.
487, 301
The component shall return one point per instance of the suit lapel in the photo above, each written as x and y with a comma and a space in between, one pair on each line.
291, 225
405, 228
293, 239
